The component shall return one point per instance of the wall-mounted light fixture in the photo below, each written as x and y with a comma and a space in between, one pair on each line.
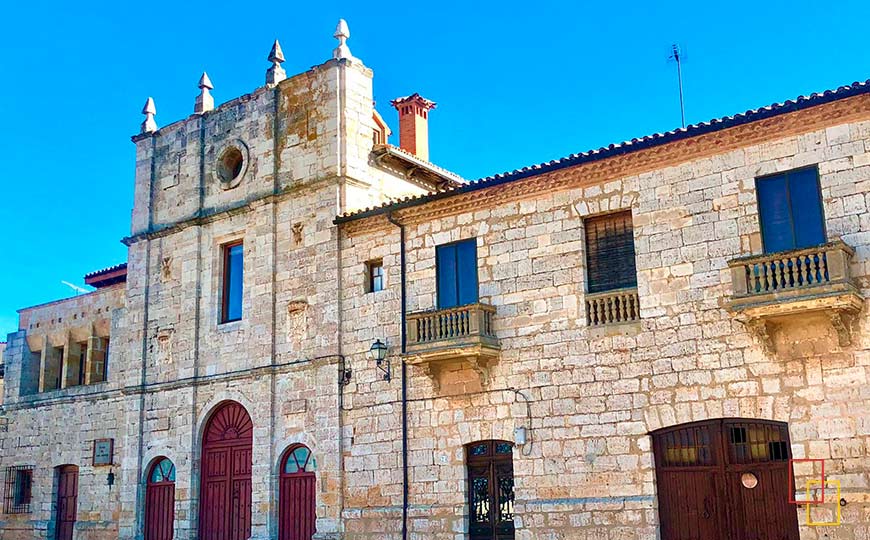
520, 435
110, 479
378, 353
344, 372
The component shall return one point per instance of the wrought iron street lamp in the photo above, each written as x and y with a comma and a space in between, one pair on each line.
378, 353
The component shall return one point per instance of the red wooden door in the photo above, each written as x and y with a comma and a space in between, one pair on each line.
225, 488
67, 498
724, 480
160, 501
297, 498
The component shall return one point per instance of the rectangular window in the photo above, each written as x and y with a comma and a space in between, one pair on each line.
375, 276
17, 490
610, 252
456, 268
790, 210
231, 303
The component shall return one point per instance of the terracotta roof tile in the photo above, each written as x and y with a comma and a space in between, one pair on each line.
633, 145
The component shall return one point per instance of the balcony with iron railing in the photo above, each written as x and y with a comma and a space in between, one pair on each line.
773, 286
463, 333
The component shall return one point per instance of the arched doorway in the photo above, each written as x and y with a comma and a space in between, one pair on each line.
160, 500
490, 490
225, 486
67, 501
297, 497
724, 479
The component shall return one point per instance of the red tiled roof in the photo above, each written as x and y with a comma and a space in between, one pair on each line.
625, 147
107, 276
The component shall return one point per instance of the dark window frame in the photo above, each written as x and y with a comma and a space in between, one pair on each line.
372, 279
438, 299
18, 489
594, 288
815, 168
226, 278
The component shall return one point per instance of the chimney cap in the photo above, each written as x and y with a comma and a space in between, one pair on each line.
415, 98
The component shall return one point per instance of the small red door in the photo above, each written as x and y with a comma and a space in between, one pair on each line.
225, 490
160, 501
297, 513
67, 497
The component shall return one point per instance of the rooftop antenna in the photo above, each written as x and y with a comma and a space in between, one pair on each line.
678, 57
76, 288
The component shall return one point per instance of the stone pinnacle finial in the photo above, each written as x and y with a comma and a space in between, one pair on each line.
342, 33
276, 73
204, 101
149, 110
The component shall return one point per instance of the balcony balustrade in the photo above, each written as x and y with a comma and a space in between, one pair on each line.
463, 333
773, 286
612, 307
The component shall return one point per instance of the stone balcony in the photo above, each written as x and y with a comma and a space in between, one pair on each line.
462, 334
771, 287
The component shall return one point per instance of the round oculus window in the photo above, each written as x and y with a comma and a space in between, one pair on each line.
230, 164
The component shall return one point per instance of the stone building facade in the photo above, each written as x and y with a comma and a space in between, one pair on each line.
587, 401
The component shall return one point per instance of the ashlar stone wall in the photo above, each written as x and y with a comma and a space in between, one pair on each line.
596, 393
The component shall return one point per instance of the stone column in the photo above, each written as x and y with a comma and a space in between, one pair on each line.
95, 364
72, 353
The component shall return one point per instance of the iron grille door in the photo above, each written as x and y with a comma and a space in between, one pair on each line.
490, 490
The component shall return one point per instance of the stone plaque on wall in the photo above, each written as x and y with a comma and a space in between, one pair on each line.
103, 452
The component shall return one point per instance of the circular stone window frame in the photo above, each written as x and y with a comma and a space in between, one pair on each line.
237, 179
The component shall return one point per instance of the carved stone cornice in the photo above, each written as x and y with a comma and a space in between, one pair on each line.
630, 163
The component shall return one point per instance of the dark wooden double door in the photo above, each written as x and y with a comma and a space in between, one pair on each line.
725, 479
225, 490
490, 490
67, 501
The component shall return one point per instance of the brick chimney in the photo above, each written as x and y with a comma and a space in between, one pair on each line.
414, 124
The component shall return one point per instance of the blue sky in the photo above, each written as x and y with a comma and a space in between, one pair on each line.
516, 83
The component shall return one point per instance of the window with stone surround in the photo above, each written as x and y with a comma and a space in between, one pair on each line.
610, 263
375, 275
456, 269
17, 489
233, 270
790, 210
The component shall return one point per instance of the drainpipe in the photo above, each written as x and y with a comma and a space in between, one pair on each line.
404, 379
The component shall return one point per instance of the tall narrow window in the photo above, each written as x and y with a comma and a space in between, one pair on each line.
790, 210
375, 276
610, 252
231, 305
456, 266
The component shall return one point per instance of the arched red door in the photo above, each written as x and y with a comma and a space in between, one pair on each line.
225, 487
67, 501
160, 501
297, 516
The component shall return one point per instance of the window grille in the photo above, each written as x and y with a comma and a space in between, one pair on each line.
17, 490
